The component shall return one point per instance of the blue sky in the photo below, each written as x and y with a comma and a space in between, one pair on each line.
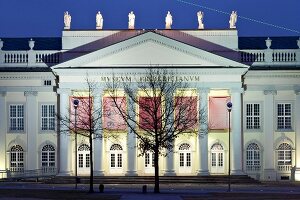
44, 18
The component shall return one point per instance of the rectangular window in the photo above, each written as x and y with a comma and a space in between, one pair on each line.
188, 159
48, 117
181, 160
47, 82
112, 160
119, 160
218, 113
16, 117
80, 160
284, 116
253, 116
87, 160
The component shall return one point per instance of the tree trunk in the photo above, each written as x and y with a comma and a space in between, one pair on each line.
156, 168
91, 165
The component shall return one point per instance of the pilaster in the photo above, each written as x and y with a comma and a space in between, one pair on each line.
3, 130
269, 165
64, 134
203, 133
297, 134
32, 128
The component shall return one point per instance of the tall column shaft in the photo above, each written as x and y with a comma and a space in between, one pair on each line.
3, 128
98, 142
203, 133
131, 145
32, 129
297, 132
236, 133
64, 137
269, 165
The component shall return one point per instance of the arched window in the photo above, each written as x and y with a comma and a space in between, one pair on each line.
84, 147
284, 157
16, 159
48, 158
116, 156
217, 159
253, 157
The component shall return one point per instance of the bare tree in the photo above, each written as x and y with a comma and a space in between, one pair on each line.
84, 119
159, 109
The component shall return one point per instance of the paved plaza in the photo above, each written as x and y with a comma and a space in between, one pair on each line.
29, 191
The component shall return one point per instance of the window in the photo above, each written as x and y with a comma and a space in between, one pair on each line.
48, 117
83, 156
253, 116
284, 157
184, 155
47, 82
48, 158
284, 116
16, 159
16, 117
253, 157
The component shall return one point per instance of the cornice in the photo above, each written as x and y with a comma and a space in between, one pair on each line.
26, 75
270, 74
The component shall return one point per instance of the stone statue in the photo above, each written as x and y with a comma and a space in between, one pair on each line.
67, 20
131, 19
99, 20
233, 19
169, 20
200, 16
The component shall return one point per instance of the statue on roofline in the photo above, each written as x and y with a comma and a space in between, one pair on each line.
67, 20
169, 20
233, 19
99, 20
200, 16
131, 19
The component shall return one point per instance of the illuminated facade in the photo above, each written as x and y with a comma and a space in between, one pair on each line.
260, 76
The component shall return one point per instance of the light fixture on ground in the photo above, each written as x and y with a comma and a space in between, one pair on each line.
229, 107
75, 104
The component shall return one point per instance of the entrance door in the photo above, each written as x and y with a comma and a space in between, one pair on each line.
217, 159
149, 163
116, 159
185, 162
83, 159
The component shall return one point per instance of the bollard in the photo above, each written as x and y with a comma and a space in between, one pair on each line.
144, 189
101, 188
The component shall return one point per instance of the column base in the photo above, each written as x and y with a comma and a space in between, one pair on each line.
98, 173
237, 172
203, 173
131, 173
270, 175
65, 173
169, 173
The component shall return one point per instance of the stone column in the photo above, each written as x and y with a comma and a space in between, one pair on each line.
31, 111
269, 165
203, 133
236, 132
297, 133
64, 137
98, 142
3, 130
131, 144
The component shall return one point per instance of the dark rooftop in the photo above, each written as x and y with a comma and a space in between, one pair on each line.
49, 43
277, 42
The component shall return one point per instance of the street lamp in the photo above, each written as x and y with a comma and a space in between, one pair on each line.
229, 107
75, 104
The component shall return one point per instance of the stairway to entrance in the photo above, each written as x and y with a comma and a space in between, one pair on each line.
213, 179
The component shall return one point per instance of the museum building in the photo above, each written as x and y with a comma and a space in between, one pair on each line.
259, 75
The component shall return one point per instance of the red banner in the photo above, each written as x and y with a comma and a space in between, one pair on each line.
84, 112
186, 113
150, 112
218, 113
112, 118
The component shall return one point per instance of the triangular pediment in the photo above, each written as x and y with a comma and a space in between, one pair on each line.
149, 49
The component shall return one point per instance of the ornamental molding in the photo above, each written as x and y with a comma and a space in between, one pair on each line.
30, 93
26, 76
270, 92
292, 74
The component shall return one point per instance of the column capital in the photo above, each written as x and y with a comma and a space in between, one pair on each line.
268, 92
30, 93
64, 91
203, 90
3, 93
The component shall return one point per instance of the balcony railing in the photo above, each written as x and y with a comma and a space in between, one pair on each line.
22, 174
284, 168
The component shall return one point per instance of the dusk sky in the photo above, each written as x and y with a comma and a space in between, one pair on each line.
44, 18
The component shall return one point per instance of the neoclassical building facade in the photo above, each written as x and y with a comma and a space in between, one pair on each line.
259, 75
